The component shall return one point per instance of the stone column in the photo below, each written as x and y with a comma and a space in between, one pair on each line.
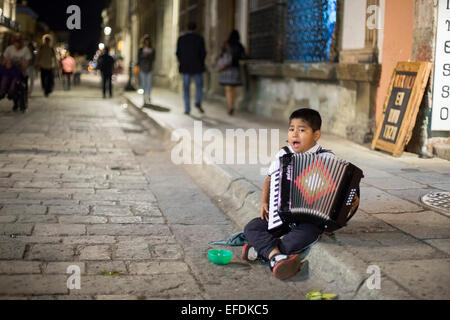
242, 20
173, 73
166, 15
213, 37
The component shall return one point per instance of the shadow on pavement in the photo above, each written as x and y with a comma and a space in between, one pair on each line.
156, 108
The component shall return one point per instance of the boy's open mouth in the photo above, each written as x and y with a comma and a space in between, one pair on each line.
296, 144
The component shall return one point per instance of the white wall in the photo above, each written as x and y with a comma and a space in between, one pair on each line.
354, 24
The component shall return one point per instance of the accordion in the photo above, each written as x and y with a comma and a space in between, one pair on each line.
317, 189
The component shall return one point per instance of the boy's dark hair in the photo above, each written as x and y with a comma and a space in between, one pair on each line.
312, 117
192, 26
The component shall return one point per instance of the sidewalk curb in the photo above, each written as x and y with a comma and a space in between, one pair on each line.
240, 200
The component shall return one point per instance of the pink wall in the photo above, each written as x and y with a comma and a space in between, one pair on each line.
397, 44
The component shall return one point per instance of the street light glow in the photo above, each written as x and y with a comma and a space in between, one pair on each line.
101, 46
107, 31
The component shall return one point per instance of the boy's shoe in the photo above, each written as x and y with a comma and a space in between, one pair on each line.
249, 253
285, 266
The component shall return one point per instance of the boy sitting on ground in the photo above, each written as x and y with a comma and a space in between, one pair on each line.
264, 233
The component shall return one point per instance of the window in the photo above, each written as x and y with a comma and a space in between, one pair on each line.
266, 29
295, 30
310, 27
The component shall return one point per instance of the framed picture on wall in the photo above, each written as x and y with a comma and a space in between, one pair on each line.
401, 107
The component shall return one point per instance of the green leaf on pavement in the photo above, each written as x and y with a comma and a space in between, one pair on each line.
313, 295
111, 273
317, 295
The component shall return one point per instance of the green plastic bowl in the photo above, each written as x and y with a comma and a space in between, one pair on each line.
220, 256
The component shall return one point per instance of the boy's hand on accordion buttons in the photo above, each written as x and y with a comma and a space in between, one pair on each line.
264, 211
355, 204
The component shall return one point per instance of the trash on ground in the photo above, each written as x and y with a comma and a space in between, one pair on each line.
317, 295
111, 273
235, 240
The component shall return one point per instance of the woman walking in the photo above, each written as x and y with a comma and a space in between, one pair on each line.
68, 67
230, 74
146, 56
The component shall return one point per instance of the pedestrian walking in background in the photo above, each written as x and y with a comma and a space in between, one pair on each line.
68, 68
16, 60
9, 75
46, 61
146, 57
230, 72
191, 54
106, 66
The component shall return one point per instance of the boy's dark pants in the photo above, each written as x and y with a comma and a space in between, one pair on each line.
295, 239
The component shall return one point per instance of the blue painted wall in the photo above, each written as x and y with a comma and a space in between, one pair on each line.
310, 26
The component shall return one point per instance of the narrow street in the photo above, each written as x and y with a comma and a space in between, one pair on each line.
122, 198
83, 183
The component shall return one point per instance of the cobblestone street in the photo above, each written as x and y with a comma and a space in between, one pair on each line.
83, 183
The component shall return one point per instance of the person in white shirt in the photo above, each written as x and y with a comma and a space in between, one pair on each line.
16, 60
18, 54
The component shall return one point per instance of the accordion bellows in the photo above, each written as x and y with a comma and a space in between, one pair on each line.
316, 189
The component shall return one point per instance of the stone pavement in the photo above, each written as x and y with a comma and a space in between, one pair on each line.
392, 232
84, 183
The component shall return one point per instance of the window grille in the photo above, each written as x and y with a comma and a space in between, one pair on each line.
266, 29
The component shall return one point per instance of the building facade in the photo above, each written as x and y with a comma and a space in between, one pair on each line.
8, 24
27, 20
335, 56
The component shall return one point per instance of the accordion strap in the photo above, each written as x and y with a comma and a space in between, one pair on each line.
320, 151
356, 209
287, 150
